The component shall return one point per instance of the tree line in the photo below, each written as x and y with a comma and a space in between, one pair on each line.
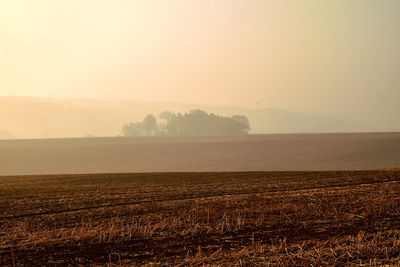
192, 123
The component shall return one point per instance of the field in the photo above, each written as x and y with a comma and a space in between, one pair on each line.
264, 152
210, 218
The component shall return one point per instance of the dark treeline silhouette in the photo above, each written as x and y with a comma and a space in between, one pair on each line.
193, 123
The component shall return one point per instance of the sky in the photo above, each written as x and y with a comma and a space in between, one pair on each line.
335, 57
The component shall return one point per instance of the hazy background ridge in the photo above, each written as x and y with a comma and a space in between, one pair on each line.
30, 117
304, 66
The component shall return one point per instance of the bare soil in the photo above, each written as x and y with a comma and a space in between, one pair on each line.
212, 218
273, 152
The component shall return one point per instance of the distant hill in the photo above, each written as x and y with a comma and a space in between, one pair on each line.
30, 117
4, 134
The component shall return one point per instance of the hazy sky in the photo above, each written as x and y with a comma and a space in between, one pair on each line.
328, 56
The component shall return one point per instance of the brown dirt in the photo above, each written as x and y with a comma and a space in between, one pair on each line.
175, 154
242, 218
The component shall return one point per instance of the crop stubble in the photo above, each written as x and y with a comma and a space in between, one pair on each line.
237, 218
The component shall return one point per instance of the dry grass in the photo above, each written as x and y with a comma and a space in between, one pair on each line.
180, 219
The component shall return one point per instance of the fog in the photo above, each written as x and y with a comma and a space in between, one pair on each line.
30, 117
92, 66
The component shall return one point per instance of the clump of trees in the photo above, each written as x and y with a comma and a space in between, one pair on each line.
193, 123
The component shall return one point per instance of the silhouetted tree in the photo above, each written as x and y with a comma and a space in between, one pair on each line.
243, 121
164, 118
150, 126
133, 129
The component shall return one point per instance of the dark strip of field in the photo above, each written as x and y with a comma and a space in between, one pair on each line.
179, 154
218, 218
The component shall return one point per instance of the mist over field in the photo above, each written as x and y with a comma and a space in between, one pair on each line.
89, 67
199, 133
33, 117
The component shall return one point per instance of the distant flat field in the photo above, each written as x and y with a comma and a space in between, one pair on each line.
175, 154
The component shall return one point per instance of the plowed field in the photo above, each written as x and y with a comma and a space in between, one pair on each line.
222, 218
